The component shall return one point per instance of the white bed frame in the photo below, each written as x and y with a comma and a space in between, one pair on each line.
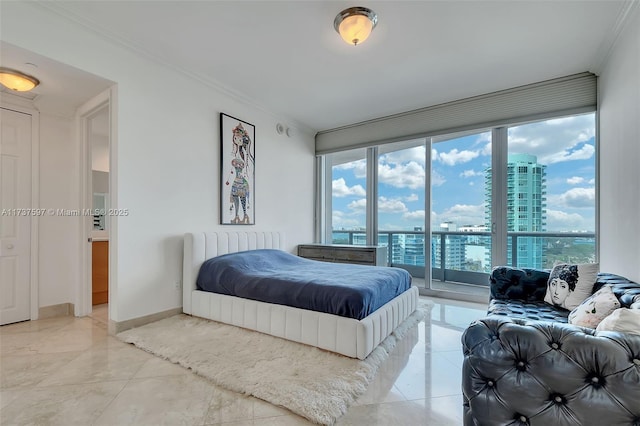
346, 336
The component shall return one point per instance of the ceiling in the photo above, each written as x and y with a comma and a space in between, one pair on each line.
286, 58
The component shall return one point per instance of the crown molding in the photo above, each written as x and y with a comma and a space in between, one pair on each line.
606, 47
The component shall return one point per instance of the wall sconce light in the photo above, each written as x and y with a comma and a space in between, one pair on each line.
15, 80
355, 24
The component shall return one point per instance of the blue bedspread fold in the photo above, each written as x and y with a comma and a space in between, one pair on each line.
275, 276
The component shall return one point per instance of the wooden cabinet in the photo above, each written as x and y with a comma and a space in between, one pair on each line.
362, 255
100, 272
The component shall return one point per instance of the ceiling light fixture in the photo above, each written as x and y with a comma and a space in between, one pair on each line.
355, 24
15, 80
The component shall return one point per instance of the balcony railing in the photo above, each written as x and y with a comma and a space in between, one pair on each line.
465, 257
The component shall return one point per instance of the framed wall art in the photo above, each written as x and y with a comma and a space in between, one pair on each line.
237, 183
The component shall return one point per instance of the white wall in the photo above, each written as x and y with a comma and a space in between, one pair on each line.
619, 104
167, 160
59, 235
100, 153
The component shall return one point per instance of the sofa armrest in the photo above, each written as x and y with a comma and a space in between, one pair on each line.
543, 373
529, 285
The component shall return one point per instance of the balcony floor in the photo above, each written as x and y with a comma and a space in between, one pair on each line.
453, 290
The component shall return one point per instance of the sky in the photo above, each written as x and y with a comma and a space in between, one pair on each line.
565, 145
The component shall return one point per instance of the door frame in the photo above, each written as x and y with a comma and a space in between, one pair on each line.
83, 303
24, 107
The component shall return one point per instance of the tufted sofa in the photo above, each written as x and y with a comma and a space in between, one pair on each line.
525, 365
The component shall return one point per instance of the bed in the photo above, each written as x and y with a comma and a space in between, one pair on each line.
355, 338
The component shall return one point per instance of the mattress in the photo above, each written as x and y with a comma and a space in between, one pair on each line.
274, 276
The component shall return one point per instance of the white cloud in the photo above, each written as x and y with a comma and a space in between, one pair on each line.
417, 155
575, 180
462, 214
359, 168
484, 137
554, 141
470, 173
454, 156
436, 178
592, 181
562, 221
406, 175
339, 220
583, 153
386, 205
358, 205
417, 215
339, 188
412, 197
486, 150
574, 198
351, 165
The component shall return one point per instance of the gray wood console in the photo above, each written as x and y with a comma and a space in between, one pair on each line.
362, 255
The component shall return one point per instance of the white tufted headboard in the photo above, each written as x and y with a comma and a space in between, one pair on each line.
201, 246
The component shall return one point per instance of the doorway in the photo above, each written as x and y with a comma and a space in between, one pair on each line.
95, 127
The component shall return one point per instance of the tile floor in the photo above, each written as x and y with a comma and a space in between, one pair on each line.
69, 371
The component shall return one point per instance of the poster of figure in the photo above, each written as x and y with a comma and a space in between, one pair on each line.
237, 153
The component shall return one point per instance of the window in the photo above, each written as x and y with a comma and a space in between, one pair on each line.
562, 194
548, 189
348, 196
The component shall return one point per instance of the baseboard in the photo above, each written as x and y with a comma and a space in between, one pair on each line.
52, 311
118, 327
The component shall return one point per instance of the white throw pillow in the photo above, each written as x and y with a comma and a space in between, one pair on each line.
570, 285
595, 309
623, 320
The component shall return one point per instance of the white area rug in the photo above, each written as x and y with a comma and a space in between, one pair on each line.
310, 382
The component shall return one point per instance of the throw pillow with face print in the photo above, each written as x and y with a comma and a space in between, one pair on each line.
570, 285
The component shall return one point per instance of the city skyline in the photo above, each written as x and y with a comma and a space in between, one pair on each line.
566, 146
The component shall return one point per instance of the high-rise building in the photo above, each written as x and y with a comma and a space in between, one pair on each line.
407, 248
526, 208
454, 248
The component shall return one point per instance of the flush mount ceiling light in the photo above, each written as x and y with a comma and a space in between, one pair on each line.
355, 24
15, 80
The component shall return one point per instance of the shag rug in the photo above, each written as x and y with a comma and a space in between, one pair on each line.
308, 381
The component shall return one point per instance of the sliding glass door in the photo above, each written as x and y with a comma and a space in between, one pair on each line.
460, 209
401, 204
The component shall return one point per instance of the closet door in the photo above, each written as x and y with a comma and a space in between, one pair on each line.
16, 217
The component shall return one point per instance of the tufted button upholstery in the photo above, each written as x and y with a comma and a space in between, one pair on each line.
519, 293
528, 310
524, 365
529, 285
591, 379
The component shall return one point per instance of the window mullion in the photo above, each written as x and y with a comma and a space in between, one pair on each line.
499, 235
372, 196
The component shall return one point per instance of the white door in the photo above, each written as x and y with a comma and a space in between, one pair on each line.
16, 216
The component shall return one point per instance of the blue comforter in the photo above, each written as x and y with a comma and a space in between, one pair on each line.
275, 276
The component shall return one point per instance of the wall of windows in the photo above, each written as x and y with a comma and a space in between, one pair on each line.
522, 195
